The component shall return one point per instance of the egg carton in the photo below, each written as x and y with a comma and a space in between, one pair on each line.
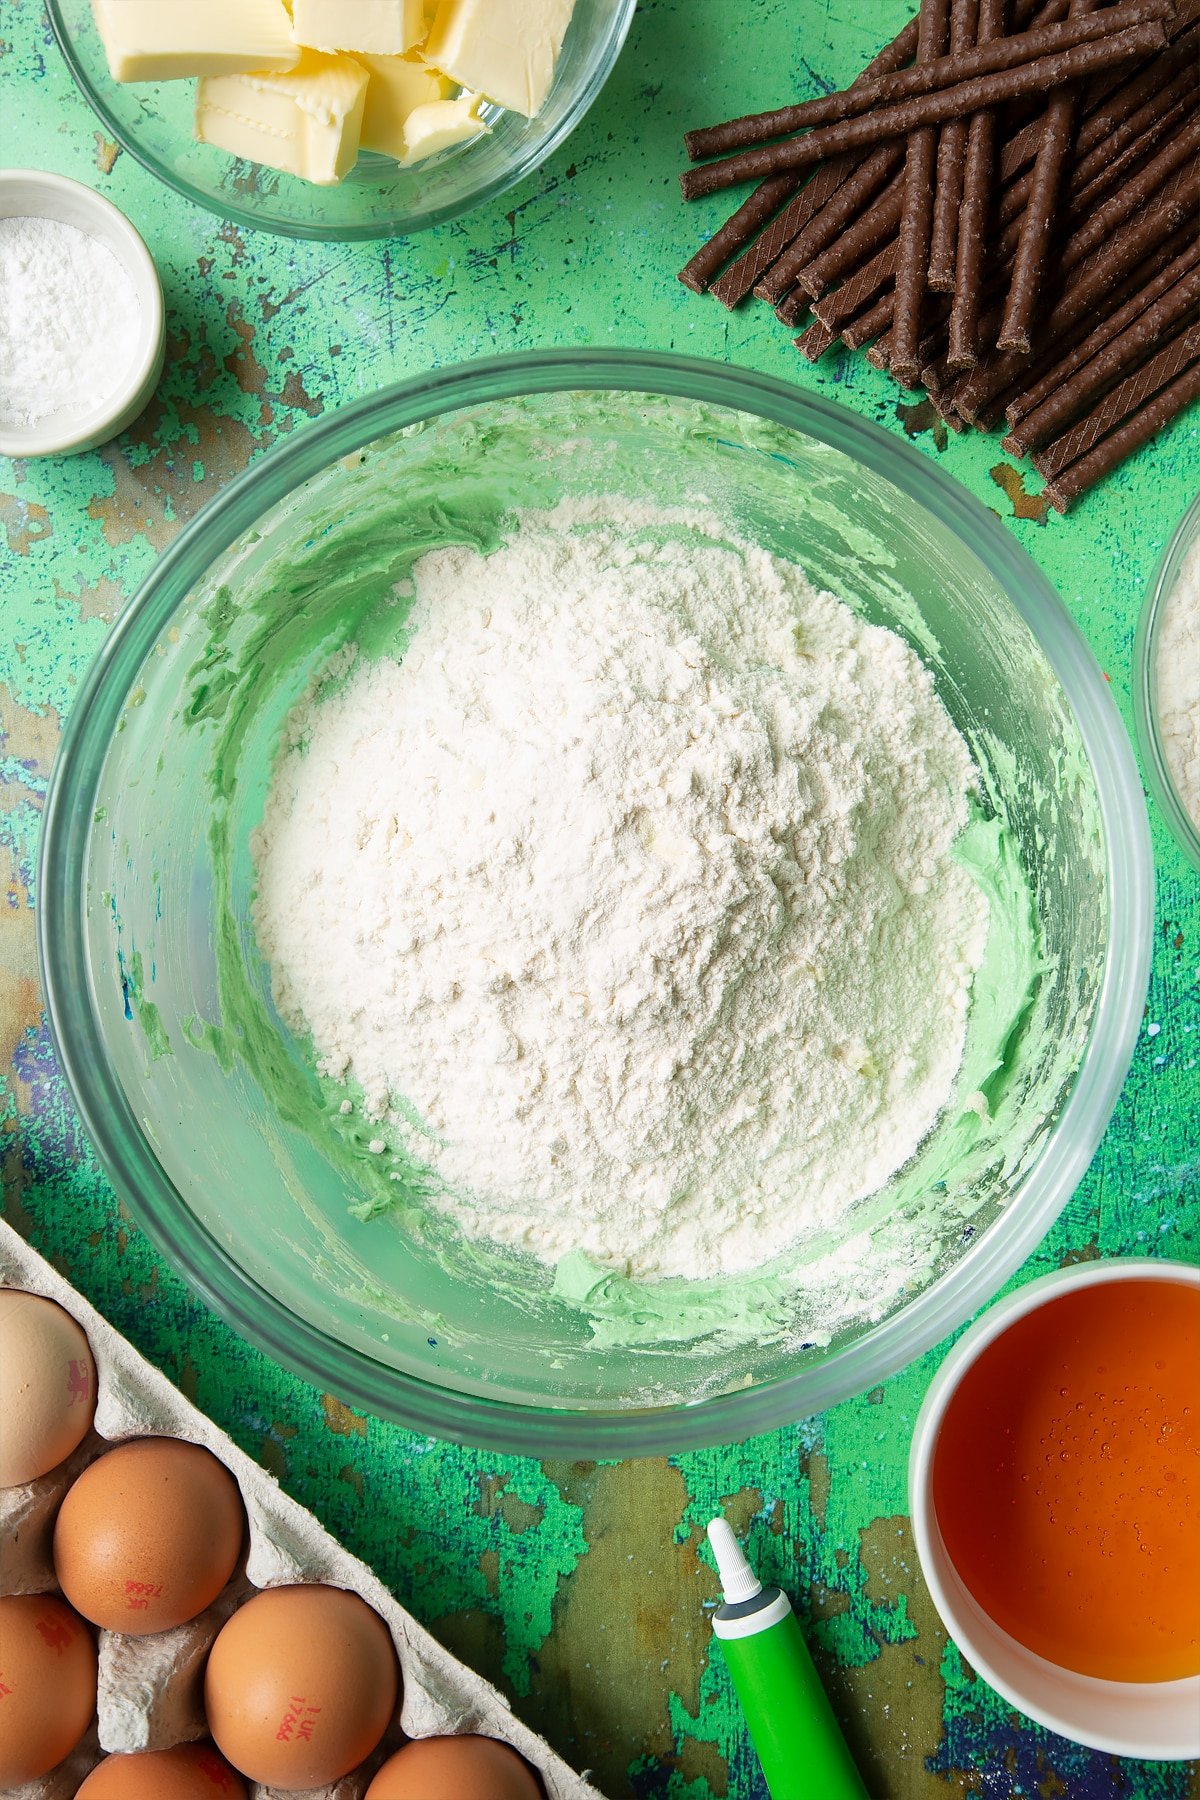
151, 1688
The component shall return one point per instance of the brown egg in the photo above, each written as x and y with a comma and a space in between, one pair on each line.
189, 1772
148, 1535
455, 1768
301, 1685
47, 1684
47, 1386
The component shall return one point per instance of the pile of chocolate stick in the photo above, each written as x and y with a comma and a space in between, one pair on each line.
1003, 207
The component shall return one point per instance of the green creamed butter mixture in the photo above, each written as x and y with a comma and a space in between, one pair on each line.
262, 648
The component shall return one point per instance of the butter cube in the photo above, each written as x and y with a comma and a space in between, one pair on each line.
396, 86
505, 49
442, 123
158, 40
307, 122
383, 27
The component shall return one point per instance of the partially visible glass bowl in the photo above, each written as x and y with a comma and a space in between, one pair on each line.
209, 1118
153, 121
1145, 683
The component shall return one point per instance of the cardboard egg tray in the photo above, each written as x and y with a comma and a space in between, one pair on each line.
151, 1688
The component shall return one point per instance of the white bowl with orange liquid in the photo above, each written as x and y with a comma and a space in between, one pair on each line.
1054, 1485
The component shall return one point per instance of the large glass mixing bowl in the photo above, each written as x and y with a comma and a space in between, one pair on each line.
378, 198
146, 876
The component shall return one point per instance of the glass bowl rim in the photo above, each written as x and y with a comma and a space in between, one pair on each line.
1145, 682
402, 225
505, 1425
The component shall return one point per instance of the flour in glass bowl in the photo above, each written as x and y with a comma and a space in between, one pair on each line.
627, 895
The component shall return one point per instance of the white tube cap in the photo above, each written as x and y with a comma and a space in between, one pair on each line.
738, 1580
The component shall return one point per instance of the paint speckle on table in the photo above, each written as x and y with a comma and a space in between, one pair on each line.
581, 1588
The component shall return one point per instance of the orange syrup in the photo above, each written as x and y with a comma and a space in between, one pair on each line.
1066, 1480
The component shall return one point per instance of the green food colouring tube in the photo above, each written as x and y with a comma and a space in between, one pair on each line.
792, 1727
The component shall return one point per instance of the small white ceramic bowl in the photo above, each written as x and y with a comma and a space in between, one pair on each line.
32, 193
1150, 1719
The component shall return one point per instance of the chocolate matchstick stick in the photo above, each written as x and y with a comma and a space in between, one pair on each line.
1114, 124
741, 225
1129, 396
1137, 430
948, 172
978, 166
943, 406
880, 353
878, 272
873, 274
1110, 96
1109, 100
1094, 277
916, 217
870, 231
1137, 192
1140, 289
933, 344
1015, 189
1120, 355
1041, 374
868, 129
1115, 95
1108, 314
1124, 123
809, 203
1082, 201
792, 307
848, 300
754, 254
930, 74
1044, 186
1087, 225
757, 210
1021, 147
740, 229
866, 326
841, 210
947, 198
932, 349
1094, 176
757, 254
814, 342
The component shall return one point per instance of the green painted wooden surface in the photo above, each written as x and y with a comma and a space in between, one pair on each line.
578, 1587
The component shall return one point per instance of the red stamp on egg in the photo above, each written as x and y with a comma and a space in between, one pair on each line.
298, 1722
138, 1594
56, 1631
214, 1770
79, 1382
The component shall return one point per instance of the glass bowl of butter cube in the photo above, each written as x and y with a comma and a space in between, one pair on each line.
340, 118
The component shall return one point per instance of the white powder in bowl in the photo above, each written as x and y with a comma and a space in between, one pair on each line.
1177, 677
627, 896
69, 321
